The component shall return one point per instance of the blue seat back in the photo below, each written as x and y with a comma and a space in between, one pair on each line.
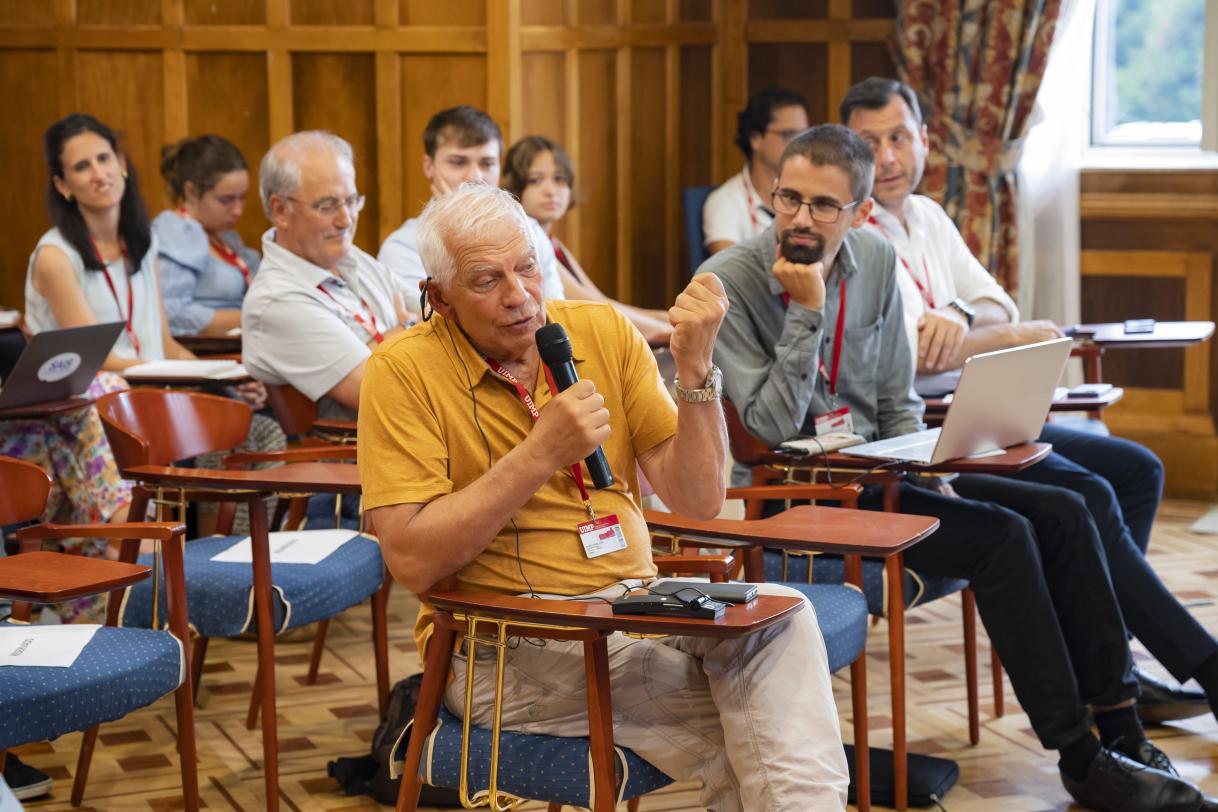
692, 200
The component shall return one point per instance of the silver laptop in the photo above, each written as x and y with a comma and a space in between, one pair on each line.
57, 364
1002, 400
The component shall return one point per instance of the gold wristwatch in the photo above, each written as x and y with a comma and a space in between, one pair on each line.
711, 390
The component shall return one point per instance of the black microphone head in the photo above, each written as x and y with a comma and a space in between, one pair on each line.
553, 344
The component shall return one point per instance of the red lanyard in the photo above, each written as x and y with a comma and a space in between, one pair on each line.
748, 199
230, 256
371, 329
135, 342
925, 290
498, 369
837, 334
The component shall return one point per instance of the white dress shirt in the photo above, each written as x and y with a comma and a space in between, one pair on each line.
304, 326
934, 264
735, 212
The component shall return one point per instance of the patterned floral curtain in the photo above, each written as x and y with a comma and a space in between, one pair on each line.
979, 64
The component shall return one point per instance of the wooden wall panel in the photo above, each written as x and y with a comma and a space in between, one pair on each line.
695, 115
595, 12
544, 12
695, 11
225, 12
124, 90
545, 76
868, 59
29, 77
228, 96
798, 66
331, 12
788, 9
431, 84
647, 180
23, 12
596, 243
118, 12
449, 12
337, 92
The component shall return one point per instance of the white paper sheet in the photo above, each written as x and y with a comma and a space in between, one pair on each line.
54, 646
302, 547
185, 368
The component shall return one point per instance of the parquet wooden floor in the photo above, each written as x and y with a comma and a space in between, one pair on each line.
134, 767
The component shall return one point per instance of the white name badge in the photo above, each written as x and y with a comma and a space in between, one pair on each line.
837, 421
601, 536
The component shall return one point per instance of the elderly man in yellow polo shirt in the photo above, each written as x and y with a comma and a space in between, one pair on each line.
466, 456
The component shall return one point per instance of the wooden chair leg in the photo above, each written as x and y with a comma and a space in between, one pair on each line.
380, 643
862, 755
996, 666
600, 724
266, 650
196, 667
251, 716
319, 645
435, 679
83, 760
632, 805
3, 757
969, 607
896, 665
553, 807
184, 700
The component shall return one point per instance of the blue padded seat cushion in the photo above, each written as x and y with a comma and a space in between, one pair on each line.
536, 767
831, 569
118, 671
841, 614
219, 595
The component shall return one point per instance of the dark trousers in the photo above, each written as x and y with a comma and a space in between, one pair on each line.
1118, 478
1034, 560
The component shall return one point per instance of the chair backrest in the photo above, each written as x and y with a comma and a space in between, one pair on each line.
295, 412
692, 200
24, 488
746, 449
162, 426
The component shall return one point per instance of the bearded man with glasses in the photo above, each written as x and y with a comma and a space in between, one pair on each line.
815, 335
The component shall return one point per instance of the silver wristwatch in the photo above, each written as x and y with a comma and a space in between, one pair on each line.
711, 390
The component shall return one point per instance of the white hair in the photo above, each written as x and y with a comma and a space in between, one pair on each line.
279, 172
461, 216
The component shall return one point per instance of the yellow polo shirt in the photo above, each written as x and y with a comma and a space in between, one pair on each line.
418, 441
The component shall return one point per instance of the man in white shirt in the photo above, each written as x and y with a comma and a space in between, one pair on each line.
318, 305
953, 308
740, 209
460, 145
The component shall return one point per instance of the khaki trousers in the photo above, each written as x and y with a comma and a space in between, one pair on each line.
752, 718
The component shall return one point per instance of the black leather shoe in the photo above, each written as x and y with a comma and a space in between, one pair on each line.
1116, 783
25, 781
1162, 702
1146, 753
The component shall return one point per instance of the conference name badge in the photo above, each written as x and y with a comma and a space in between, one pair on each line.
601, 536
838, 420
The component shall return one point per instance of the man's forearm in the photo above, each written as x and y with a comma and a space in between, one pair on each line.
459, 525
687, 472
989, 312
986, 338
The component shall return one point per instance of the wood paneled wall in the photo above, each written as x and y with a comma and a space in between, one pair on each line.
643, 93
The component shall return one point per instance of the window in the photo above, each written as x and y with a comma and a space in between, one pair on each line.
1147, 74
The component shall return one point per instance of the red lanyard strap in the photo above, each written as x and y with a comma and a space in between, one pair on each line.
370, 328
128, 326
230, 256
925, 290
837, 338
499, 370
748, 199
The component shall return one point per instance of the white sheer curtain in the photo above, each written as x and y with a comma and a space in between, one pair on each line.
1048, 173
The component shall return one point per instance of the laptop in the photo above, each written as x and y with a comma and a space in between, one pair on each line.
1001, 401
55, 364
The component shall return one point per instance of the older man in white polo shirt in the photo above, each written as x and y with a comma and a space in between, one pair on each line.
319, 305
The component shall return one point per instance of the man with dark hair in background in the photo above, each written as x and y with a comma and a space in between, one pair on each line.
740, 208
461, 144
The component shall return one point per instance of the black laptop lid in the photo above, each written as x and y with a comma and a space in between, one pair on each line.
12, 344
57, 364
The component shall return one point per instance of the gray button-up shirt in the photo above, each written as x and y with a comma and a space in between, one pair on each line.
776, 358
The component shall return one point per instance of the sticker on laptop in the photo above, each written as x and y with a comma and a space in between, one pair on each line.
59, 367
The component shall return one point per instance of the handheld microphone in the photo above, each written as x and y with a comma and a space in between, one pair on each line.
555, 349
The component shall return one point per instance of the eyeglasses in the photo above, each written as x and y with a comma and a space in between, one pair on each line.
785, 135
822, 210
329, 206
